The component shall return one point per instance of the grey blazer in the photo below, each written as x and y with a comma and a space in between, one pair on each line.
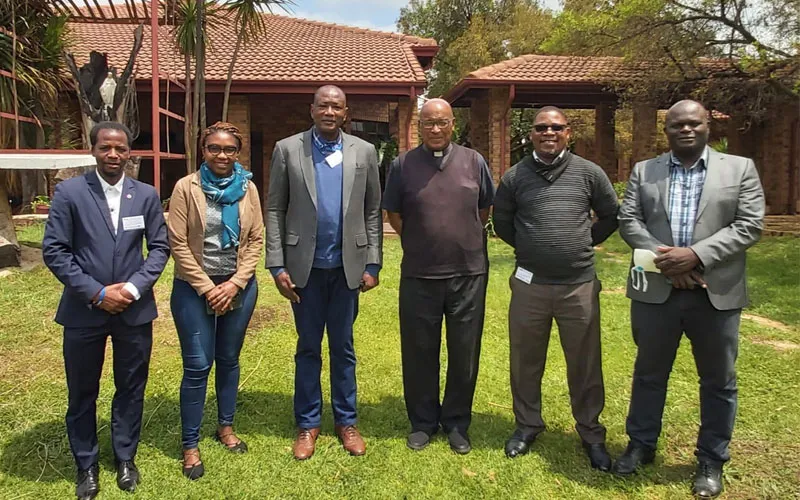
292, 208
730, 217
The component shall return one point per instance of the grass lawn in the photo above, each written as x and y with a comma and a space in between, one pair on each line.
35, 460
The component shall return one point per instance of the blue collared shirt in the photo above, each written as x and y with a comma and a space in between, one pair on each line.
328, 252
685, 189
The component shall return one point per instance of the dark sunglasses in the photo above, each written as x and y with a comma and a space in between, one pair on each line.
216, 149
554, 128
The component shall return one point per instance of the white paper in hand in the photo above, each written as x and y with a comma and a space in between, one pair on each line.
644, 259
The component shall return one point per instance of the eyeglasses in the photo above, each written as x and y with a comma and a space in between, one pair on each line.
429, 124
216, 149
554, 128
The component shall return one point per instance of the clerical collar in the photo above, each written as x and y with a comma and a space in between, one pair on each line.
438, 154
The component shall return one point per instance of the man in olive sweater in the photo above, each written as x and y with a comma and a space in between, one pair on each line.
543, 209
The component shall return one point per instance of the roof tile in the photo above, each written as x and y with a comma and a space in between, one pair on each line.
294, 50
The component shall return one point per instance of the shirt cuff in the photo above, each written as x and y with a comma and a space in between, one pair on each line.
276, 271
373, 270
131, 288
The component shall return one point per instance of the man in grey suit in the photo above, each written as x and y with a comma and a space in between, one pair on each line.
698, 211
324, 237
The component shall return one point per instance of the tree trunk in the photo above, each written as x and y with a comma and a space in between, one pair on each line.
189, 128
7, 231
228, 82
200, 62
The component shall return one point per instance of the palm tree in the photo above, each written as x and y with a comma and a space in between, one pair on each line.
34, 56
184, 35
249, 24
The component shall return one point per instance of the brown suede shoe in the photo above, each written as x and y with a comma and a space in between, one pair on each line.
303, 446
351, 439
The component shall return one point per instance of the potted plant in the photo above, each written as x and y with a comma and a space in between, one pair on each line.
41, 204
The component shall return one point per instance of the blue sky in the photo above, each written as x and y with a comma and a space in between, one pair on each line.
374, 14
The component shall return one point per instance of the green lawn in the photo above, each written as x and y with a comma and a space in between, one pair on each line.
35, 461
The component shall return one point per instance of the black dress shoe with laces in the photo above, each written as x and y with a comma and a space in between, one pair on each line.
519, 444
459, 442
87, 483
127, 475
633, 457
598, 456
707, 479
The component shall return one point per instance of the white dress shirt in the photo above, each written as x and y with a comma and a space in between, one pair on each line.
113, 196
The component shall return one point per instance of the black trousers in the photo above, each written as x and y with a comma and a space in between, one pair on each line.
423, 302
714, 335
84, 351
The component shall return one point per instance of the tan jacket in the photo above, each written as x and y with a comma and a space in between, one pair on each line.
187, 222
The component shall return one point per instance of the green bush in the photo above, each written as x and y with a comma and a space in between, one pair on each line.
619, 187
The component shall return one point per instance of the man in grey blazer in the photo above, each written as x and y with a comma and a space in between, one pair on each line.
324, 238
698, 211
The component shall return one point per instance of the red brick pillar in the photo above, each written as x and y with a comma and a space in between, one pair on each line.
479, 124
239, 115
644, 135
500, 134
406, 106
605, 139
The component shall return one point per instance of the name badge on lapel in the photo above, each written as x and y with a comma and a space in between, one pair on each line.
132, 223
334, 159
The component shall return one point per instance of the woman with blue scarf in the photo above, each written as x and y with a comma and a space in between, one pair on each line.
216, 232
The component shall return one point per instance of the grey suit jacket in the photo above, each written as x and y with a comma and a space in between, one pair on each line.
730, 217
292, 208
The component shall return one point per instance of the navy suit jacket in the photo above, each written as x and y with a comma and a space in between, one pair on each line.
82, 251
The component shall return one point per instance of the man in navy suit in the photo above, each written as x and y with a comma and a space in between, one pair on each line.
93, 245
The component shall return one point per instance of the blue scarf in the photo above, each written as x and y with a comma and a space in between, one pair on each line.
325, 147
226, 191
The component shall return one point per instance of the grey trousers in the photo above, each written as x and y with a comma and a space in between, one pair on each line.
576, 309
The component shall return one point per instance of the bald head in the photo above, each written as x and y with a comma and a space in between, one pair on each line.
687, 130
551, 109
436, 106
327, 90
684, 106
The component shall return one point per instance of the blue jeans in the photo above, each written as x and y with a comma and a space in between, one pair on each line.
325, 301
204, 339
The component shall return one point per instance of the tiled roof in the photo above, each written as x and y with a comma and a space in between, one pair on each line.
536, 68
294, 50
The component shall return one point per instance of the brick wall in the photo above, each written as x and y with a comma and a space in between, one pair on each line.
479, 124
605, 139
774, 148
405, 107
239, 115
372, 111
487, 136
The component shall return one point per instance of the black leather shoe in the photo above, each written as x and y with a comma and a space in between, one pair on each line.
459, 442
418, 440
598, 456
633, 457
127, 475
88, 483
519, 444
707, 479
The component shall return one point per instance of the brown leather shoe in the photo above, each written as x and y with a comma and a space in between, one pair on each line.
351, 439
303, 446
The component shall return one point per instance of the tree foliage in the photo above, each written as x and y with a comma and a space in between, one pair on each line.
735, 55
474, 33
